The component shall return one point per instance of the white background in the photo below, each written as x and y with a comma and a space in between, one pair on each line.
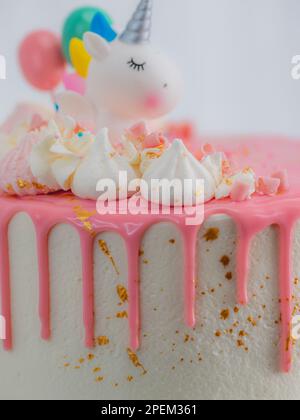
235, 55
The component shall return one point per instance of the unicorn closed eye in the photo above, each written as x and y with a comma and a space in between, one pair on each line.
128, 80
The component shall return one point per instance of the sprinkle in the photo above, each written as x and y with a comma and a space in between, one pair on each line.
212, 234
130, 378
186, 338
102, 341
104, 248
135, 361
225, 260
218, 334
96, 370
236, 310
99, 379
90, 357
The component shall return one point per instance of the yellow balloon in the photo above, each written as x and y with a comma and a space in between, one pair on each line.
80, 58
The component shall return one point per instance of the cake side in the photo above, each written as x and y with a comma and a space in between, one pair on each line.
229, 346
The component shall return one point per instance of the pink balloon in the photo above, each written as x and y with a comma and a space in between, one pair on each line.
74, 83
42, 60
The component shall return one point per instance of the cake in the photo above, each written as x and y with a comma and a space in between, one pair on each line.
129, 294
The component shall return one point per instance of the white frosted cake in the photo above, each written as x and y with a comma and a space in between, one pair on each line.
127, 293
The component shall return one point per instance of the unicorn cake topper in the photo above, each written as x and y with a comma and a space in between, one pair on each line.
123, 79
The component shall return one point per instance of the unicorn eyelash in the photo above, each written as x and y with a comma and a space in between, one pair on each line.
135, 66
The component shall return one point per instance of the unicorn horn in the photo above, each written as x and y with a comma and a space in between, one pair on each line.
138, 30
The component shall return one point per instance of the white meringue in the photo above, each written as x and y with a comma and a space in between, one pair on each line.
101, 162
225, 187
214, 163
177, 163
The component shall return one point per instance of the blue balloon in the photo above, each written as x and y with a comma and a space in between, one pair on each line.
101, 26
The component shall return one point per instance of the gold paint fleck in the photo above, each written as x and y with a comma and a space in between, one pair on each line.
90, 357
130, 378
66, 365
252, 321
172, 241
84, 217
122, 315
187, 338
96, 370
240, 343
135, 361
225, 260
81, 360
141, 253
228, 276
225, 314
211, 234
102, 341
99, 379
104, 248
236, 310
218, 334
23, 184
122, 293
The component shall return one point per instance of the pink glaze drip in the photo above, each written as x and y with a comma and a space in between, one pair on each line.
251, 217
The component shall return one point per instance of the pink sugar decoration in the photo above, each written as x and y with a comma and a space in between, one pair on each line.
240, 191
152, 140
208, 149
267, 185
284, 180
138, 130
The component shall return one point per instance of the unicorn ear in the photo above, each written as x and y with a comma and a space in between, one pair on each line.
96, 46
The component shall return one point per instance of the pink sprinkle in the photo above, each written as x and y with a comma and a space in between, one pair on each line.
208, 149
138, 130
267, 185
240, 191
284, 180
152, 140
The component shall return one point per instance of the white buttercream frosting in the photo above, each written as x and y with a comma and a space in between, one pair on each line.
177, 163
54, 160
101, 162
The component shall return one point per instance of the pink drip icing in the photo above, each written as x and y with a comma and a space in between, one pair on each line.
251, 217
